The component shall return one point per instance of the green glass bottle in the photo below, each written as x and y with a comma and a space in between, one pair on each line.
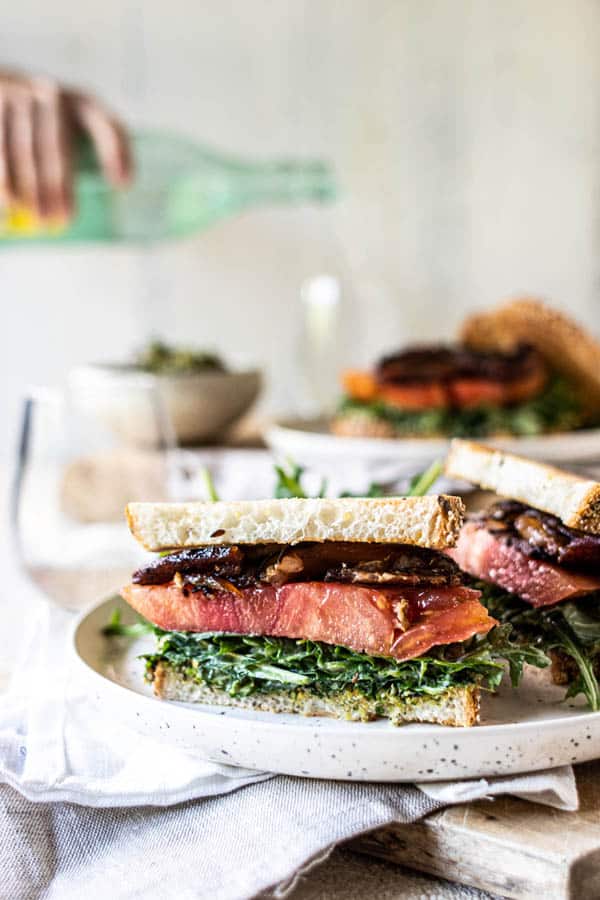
180, 188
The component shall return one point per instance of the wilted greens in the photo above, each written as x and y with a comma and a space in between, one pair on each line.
243, 665
162, 359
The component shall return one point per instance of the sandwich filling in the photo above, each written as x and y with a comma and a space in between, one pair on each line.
386, 600
459, 391
332, 616
550, 580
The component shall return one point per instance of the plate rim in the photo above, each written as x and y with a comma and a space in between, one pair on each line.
295, 427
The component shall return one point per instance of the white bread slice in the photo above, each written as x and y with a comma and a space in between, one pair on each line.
457, 706
573, 499
433, 521
567, 347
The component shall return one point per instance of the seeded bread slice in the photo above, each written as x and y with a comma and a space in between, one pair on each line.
567, 347
573, 499
433, 521
458, 706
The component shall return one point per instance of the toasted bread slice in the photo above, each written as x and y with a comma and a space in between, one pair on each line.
575, 500
567, 347
564, 670
433, 521
457, 706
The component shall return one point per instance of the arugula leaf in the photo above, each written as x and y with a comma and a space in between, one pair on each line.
587, 683
209, 484
289, 481
116, 628
501, 645
570, 627
420, 483
583, 620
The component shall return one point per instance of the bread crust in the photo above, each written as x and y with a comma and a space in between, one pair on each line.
564, 670
433, 521
567, 347
575, 500
457, 707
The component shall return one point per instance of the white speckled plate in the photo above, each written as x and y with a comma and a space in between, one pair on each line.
310, 442
521, 730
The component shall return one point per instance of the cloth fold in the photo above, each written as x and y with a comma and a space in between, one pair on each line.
89, 809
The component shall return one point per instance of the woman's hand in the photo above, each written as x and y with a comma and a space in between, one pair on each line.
39, 121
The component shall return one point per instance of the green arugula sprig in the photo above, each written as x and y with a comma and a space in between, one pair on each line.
290, 476
209, 484
117, 628
424, 481
572, 627
289, 481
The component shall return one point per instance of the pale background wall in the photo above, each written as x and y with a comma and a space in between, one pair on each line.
466, 134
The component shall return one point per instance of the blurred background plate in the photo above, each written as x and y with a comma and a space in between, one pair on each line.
309, 442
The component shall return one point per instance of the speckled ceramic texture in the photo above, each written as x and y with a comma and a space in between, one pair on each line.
524, 730
310, 442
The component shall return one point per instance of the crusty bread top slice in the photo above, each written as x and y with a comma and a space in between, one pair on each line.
567, 347
432, 521
573, 499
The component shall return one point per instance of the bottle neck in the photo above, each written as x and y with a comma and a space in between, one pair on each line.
288, 181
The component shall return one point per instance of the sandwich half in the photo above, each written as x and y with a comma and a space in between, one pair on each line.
536, 555
520, 368
346, 608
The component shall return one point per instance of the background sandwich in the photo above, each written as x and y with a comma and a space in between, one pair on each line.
341, 607
541, 548
521, 368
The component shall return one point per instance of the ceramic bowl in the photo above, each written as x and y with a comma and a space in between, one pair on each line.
143, 408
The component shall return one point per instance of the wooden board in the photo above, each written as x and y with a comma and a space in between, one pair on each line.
506, 846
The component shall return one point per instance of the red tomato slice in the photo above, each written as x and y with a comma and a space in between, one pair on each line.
415, 395
359, 385
469, 392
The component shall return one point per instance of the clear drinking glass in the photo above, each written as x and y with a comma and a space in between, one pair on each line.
76, 469
328, 340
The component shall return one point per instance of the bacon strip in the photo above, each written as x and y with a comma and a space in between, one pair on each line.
384, 622
445, 627
538, 582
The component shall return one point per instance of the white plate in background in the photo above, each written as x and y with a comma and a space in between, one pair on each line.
524, 730
309, 442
